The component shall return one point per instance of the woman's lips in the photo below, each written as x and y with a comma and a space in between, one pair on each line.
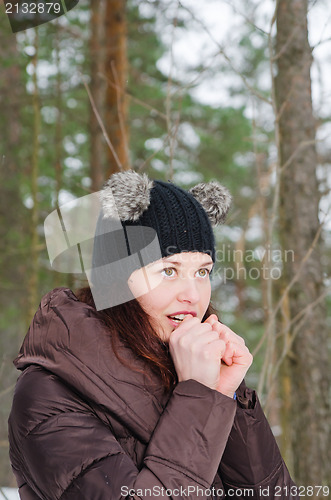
173, 322
176, 323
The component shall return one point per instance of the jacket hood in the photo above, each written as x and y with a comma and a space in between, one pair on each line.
67, 338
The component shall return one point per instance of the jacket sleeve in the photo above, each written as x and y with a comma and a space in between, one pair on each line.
73, 455
252, 460
181, 459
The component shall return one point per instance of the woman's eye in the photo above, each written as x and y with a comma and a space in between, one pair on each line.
203, 273
169, 272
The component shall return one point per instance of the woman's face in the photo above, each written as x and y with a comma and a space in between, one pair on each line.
173, 287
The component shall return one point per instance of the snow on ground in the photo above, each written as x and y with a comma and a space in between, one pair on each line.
9, 494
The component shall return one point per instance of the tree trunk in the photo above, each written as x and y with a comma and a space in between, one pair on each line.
33, 278
13, 221
58, 143
116, 74
307, 362
97, 54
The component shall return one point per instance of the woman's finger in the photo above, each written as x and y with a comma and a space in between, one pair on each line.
227, 334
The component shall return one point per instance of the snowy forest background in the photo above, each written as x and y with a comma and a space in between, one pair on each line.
186, 92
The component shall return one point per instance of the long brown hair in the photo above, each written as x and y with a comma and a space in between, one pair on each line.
130, 323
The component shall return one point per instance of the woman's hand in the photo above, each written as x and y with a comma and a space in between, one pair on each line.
236, 358
210, 353
197, 349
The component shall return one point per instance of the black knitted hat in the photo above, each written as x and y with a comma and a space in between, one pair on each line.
179, 220
182, 219
146, 211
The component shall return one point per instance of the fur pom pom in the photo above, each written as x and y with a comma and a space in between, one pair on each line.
126, 195
215, 199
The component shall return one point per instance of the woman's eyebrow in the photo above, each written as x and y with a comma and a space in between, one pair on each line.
180, 263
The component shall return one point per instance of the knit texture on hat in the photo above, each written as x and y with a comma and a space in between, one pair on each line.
179, 220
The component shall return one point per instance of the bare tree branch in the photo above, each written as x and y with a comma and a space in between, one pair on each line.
275, 310
111, 147
135, 99
300, 319
226, 57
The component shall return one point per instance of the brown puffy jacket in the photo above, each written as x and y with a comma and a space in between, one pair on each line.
85, 426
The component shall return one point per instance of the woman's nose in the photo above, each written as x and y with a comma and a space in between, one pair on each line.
188, 291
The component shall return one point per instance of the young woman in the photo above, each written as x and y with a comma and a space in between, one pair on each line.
146, 398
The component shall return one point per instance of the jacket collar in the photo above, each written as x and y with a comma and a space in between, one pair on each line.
68, 339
